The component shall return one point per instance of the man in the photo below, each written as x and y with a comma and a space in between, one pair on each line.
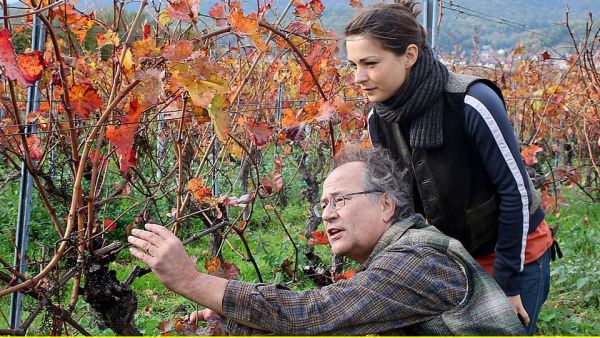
413, 279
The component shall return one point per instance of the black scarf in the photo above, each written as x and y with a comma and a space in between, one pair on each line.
419, 101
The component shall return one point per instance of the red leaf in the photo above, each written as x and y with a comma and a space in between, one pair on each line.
261, 132
84, 99
122, 136
95, 156
218, 13
35, 150
229, 271
146, 31
318, 237
9, 61
109, 225
128, 160
545, 55
184, 10
32, 65
272, 183
225, 270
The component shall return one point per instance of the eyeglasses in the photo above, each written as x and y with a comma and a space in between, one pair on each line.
339, 201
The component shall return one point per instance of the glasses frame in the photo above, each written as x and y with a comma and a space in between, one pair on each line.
318, 210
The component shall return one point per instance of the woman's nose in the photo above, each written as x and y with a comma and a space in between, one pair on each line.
360, 75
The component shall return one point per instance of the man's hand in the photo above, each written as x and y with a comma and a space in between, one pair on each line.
165, 255
203, 315
517, 305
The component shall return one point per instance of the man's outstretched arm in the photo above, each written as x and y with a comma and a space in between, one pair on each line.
164, 253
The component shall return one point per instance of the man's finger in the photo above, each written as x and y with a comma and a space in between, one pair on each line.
141, 256
147, 236
159, 230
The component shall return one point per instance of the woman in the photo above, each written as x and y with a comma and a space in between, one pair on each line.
452, 133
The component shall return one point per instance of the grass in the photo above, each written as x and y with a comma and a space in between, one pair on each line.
573, 306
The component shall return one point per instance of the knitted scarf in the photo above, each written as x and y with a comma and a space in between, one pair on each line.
419, 101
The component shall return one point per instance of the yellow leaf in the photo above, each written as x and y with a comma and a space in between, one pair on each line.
128, 61
537, 105
554, 90
219, 117
110, 37
164, 19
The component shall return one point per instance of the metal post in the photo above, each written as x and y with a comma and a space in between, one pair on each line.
160, 145
434, 23
278, 113
38, 40
215, 172
429, 20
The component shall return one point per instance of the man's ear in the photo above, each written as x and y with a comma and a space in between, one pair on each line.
411, 55
388, 207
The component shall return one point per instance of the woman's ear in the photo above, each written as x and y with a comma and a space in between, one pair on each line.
388, 208
411, 55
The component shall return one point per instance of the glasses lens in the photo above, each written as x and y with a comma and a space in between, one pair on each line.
318, 210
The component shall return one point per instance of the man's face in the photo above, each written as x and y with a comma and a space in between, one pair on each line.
354, 229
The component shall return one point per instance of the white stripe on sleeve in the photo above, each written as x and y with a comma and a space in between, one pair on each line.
510, 161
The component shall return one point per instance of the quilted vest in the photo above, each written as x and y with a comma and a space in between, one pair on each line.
456, 194
485, 309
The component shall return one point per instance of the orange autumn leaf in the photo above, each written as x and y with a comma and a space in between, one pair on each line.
108, 38
73, 21
306, 83
241, 23
345, 275
218, 13
212, 265
84, 99
179, 51
529, 154
145, 48
32, 65
199, 191
289, 118
357, 4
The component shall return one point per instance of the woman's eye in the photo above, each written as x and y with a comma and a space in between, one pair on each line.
371, 64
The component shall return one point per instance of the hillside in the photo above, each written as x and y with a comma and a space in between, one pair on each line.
495, 23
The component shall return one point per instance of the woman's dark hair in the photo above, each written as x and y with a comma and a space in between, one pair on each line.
393, 26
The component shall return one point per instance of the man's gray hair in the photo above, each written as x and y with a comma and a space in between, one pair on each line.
381, 173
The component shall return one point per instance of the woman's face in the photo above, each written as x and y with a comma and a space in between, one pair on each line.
379, 72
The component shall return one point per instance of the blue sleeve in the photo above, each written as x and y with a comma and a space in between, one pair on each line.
490, 131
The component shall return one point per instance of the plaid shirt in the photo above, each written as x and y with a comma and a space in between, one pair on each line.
392, 290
